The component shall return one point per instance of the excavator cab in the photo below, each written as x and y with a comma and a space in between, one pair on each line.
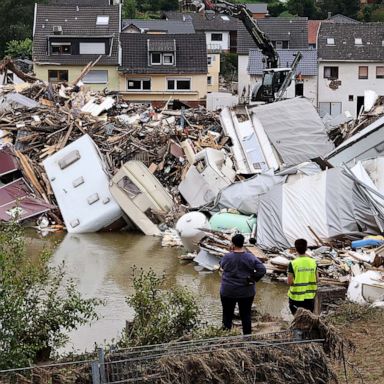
271, 84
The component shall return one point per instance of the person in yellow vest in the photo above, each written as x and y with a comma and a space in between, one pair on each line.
302, 279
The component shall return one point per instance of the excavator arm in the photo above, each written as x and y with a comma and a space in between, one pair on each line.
240, 12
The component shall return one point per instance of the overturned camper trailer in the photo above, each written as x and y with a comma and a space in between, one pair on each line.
141, 196
79, 181
212, 172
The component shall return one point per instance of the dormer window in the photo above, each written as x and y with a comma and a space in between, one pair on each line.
225, 18
161, 52
330, 41
102, 20
60, 48
358, 41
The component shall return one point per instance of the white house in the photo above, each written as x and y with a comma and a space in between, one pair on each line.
220, 30
306, 71
351, 60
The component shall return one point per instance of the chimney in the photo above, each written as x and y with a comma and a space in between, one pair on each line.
329, 15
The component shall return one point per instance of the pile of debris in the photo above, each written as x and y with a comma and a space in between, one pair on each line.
91, 161
41, 120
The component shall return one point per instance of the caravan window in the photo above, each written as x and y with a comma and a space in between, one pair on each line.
129, 187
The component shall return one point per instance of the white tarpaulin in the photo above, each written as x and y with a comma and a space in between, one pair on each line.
295, 129
327, 204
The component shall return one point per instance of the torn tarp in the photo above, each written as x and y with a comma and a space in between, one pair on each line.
244, 195
16, 202
295, 129
323, 205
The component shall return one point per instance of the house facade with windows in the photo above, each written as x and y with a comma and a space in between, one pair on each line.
350, 60
68, 37
157, 67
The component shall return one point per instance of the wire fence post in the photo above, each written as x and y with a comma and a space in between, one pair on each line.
95, 372
101, 356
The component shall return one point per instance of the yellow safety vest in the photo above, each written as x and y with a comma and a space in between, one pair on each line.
304, 284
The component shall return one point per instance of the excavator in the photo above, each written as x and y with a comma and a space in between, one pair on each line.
275, 80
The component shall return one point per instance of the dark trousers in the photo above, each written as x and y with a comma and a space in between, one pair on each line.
306, 304
245, 305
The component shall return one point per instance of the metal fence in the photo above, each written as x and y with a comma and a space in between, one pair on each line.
140, 364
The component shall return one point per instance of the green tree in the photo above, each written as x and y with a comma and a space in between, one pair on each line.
19, 48
305, 8
276, 8
348, 8
16, 20
38, 305
129, 9
161, 315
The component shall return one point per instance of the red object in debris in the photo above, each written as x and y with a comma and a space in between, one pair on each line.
17, 201
8, 161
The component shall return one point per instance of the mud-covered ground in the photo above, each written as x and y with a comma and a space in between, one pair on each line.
365, 328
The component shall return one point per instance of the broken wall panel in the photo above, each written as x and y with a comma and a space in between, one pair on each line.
8, 161
16, 202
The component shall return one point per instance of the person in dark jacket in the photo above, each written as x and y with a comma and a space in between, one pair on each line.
241, 270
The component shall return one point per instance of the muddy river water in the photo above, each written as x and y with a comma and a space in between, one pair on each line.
101, 265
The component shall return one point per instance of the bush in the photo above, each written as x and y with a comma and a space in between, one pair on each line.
161, 315
19, 49
37, 305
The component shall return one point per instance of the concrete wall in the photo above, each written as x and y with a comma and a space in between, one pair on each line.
221, 45
214, 71
41, 72
351, 85
159, 90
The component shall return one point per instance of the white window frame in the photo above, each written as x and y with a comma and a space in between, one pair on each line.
104, 80
161, 58
176, 80
141, 79
85, 48
102, 20
164, 55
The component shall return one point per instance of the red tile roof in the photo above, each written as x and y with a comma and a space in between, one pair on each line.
313, 27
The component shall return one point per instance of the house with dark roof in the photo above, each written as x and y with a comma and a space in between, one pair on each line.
158, 67
157, 26
351, 61
284, 33
220, 30
306, 72
66, 38
258, 10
